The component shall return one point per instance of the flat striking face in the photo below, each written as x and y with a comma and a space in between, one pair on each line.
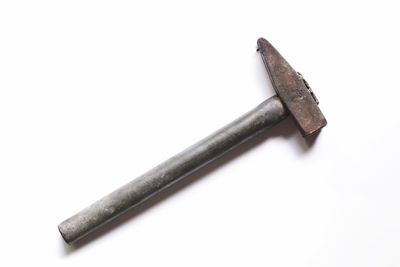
292, 90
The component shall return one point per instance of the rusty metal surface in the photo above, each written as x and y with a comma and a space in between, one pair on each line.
293, 90
294, 96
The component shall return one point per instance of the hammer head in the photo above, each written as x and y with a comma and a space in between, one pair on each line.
293, 90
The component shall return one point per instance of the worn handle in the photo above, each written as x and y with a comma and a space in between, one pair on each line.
265, 115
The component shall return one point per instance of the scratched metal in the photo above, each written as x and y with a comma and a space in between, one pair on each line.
293, 90
265, 115
294, 96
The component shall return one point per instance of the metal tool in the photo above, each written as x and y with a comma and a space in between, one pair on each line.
294, 97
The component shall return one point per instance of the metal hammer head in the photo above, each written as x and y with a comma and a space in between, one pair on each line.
293, 90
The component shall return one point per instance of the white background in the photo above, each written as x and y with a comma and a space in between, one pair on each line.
94, 93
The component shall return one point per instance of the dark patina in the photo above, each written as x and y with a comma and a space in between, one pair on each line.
293, 90
294, 97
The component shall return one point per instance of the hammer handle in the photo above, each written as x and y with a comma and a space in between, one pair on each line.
264, 116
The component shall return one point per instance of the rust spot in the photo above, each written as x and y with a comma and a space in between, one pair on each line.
293, 90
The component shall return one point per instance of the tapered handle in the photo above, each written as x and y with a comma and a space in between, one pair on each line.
265, 115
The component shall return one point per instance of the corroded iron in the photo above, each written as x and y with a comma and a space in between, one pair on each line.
295, 97
293, 90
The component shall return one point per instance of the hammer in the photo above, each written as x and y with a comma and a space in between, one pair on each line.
294, 97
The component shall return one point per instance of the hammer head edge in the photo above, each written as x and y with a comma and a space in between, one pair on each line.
293, 90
